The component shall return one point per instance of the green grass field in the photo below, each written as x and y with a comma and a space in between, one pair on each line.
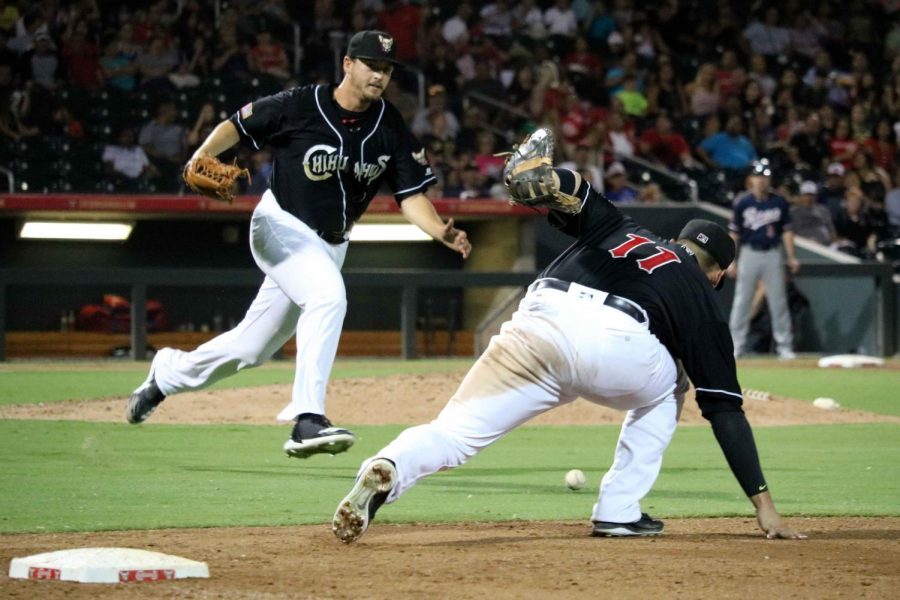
60, 476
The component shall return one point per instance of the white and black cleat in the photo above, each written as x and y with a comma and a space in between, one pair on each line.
643, 527
314, 434
358, 508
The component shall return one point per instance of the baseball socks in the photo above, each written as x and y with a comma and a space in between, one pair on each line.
358, 508
314, 434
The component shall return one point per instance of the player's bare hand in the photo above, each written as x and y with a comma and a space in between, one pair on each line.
731, 271
793, 265
774, 526
456, 239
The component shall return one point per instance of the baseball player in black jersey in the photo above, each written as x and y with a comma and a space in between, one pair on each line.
622, 318
333, 147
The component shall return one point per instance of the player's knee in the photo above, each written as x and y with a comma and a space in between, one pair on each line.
333, 301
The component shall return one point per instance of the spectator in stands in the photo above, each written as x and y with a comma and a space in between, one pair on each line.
456, 29
662, 144
842, 147
153, 64
82, 58
403, 21
269, 58
632, 98
496, 20
442, 70
860, 125
728, 149
435, 102
730, 75
766, 36
810, 143
883, 146
232, 60
857, 230
163, 139
873, 180
203, 126
471, 184
118, 68
620, 136
125, 162
439, 142
561, 23
831, 195
489, 164
588, 164
617, 187
9, 14
811, 220
806, 36
759, 72
703, 91
260, 171
664, 92
483, 82
521, 89
892, 206
43, 63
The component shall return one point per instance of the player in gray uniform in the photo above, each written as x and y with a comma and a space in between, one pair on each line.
760, 224
609, 320
333, 147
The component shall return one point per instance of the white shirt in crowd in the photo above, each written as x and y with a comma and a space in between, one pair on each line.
130, 162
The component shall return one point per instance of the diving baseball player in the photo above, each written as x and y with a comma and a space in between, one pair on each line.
333, 147
607, 321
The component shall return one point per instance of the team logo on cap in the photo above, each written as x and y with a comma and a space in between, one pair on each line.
701, 237
387, 42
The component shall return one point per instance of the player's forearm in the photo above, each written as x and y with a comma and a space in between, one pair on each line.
223, 137
419, 211
735, 438
788, 239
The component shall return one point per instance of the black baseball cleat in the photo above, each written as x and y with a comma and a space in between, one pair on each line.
143, 401
314, 434
358, 508
645, 526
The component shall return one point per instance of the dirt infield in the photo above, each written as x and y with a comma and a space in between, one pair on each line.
400, 399
696, 558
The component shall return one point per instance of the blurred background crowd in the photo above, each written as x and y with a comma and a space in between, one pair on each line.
650, 100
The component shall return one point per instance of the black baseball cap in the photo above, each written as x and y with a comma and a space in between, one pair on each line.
712, 237
373, 45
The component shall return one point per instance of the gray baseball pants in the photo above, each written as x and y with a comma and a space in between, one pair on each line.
768, 266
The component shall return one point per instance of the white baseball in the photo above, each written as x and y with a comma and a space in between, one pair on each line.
826, 404
575, 479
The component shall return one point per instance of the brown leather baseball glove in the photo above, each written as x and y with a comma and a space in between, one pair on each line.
529, 178
208, 176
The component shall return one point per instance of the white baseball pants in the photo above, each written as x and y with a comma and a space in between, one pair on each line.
557, 346
303, 292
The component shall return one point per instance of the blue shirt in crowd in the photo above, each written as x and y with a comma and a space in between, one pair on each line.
728, 151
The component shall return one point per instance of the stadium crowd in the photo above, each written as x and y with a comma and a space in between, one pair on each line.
98, 95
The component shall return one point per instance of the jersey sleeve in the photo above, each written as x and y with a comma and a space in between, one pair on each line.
598, 216
709, 363
409, 172
786, 222
734, 225
260, 120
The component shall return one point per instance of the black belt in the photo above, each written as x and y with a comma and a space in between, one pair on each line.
617, 302
332, 237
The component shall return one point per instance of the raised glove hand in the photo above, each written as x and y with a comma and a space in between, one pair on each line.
529, 177
208, 176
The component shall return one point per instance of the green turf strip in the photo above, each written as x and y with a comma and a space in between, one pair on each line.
873, 390
57, 476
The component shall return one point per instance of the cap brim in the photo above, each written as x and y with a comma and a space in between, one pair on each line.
393, 61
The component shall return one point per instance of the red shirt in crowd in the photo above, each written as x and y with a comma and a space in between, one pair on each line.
667, 149
882, 153
403, 24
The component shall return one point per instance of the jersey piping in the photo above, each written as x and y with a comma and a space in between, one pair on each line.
340, 153
241, 125
709, 391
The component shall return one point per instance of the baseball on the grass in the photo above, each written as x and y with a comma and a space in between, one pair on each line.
826, 404
575, 479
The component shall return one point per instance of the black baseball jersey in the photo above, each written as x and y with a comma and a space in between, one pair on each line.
329, 163
613, 254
